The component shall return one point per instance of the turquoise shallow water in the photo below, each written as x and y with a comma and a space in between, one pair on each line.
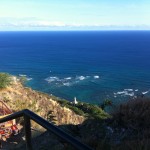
92, 66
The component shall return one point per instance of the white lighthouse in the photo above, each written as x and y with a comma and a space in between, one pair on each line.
75, 101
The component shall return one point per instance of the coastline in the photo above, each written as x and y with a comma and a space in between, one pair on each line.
19, 97
85, 121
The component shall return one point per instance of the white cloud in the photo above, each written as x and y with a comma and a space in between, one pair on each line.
34, 22
30, 23
39, 24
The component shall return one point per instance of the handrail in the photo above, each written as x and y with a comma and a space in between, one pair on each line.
29, 115
7, 108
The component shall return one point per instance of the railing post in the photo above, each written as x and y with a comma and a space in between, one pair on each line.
27, 127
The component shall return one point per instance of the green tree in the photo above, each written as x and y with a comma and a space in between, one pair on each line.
5, 80
106, 103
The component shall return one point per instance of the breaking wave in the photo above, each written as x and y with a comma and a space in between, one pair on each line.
68, 78
52, 79
68, 81
28, 79
24, 75
82, 77
96, 77
130, 92
145, 92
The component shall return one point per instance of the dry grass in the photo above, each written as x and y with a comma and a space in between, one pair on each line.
18, 97
134, 114
133, 117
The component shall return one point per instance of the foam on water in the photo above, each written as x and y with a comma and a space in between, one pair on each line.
96, 77
68, 81
130, 92
52, 79
22, 75
125, 92
28, 79
67, 84
80, 77
68, 78
145, 92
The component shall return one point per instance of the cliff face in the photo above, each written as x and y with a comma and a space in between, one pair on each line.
91, 130
18, 97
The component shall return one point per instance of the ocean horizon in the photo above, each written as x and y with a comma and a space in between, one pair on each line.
90, 65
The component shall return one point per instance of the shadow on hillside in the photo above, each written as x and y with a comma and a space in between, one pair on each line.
128, 129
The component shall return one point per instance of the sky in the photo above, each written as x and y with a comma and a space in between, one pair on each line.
74, 14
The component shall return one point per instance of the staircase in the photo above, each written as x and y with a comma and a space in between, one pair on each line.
29, 115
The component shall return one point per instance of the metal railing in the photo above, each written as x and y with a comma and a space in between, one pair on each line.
4, 109
29, 115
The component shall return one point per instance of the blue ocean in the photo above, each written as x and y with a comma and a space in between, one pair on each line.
89, 65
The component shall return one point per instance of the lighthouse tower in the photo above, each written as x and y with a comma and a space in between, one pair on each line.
75, 101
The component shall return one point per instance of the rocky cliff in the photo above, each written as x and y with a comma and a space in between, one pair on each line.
18, 97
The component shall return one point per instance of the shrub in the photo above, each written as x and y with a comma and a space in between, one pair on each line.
23, 80
106, 103
5, 80
92, 110
135, 113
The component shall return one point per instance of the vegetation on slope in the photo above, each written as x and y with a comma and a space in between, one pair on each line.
54, 109
85, 109
18, 97
5, 80
128, 127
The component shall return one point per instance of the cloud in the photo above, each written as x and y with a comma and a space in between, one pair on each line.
32, 22
28, 23
40, 24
